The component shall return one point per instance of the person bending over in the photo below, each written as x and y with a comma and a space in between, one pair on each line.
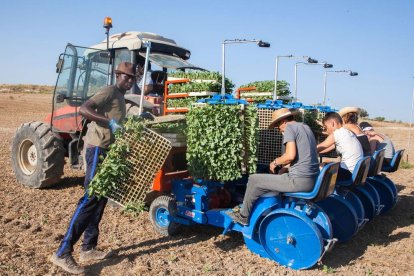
345, 142
379, 141
301, 156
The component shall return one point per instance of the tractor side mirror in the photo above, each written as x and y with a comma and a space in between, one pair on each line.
59, 65
60, 97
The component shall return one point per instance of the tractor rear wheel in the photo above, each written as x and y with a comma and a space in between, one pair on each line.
160, 213
37, 155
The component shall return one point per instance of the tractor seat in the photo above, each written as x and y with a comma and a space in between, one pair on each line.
395, 162
324, 185
359, 175
376, 163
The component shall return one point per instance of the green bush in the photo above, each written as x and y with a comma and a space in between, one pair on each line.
381, 119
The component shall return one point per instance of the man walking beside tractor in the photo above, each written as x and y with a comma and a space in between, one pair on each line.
106, 109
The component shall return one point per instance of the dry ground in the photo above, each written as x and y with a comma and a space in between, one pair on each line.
32, 223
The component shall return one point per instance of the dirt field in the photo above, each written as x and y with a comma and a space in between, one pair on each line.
32, 222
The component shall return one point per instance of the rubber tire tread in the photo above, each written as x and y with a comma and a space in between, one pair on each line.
168, 202
50, 155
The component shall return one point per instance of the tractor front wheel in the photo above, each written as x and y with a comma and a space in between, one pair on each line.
160, 213
37, 155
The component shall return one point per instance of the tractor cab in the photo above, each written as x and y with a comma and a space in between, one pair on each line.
83, 71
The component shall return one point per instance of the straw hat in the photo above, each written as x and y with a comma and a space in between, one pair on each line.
126, 68
282, 113
349, 109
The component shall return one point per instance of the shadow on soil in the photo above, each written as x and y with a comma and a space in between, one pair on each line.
193, 235
68, 182
377, 232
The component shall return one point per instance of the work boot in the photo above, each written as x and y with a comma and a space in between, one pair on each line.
237, 217
92, 255
67, 263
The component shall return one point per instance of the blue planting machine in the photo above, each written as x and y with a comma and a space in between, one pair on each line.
293, 229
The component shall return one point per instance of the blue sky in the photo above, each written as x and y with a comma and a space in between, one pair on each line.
373, 37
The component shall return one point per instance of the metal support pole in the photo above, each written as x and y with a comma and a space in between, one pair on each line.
324, 88
409, 130
276, 73
223, 68
296, 81
144, 78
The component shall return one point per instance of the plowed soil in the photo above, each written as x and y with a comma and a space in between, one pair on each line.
32, 223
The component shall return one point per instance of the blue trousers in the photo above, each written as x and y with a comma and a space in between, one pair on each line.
88, 213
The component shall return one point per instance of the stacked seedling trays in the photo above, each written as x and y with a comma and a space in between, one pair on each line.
260, 91
221, 139
185, 88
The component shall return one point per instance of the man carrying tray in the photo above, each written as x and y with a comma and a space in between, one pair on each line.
105, 110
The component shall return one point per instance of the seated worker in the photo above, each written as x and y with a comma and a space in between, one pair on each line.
379, 141
350, 119
140, 77
345, 142
300, 154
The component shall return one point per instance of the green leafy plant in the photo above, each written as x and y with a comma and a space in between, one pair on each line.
170, 127
134, 208
310, 117
115, 167
200, 81
328, 269
183, 102
406, 165
269, 86
221, 141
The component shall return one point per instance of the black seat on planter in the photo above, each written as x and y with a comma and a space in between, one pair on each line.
395, 162
359, 176
376, 163
324, 185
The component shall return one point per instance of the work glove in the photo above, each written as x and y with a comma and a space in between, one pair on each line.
114, 126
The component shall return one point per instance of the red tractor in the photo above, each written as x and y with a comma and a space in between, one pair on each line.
39, 148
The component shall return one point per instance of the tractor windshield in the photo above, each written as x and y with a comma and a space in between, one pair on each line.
82, 72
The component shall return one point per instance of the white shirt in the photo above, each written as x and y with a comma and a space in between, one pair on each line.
349, 147
148, 80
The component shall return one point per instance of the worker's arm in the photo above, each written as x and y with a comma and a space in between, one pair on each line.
327, 145
88, 110
373, 143
286, 158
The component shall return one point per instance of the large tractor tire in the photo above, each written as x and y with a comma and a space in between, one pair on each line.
38, 155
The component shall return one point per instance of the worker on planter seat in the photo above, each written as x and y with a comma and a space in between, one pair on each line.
300, 156
345, 142
106, 109
148, 87
349, 117
379, 141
